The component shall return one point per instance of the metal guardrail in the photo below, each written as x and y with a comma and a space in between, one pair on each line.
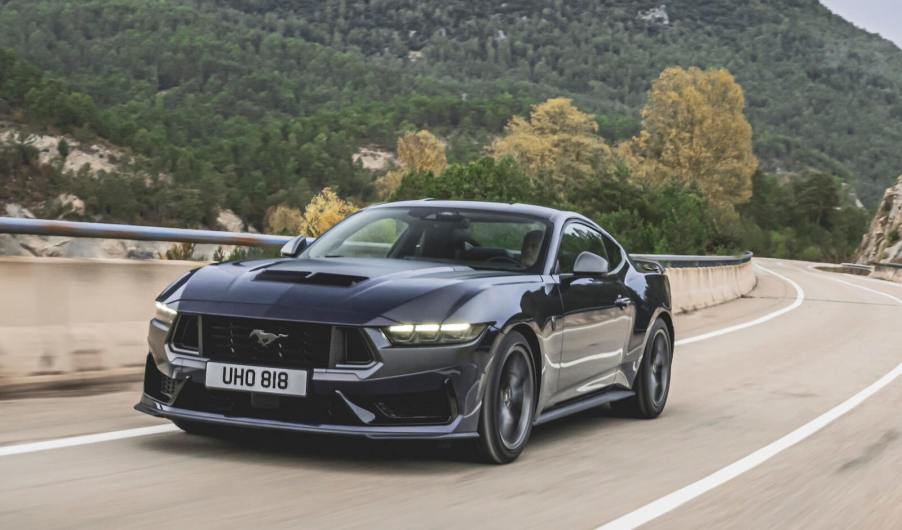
878, 265
678, 261
41, 227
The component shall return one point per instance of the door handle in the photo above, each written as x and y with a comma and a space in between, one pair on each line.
622, 302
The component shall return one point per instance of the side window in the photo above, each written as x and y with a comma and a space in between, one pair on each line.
578, 238
614, 253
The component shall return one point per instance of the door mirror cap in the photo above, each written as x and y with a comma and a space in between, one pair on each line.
589, 264
295, 246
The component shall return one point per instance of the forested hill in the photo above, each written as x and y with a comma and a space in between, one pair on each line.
262, 101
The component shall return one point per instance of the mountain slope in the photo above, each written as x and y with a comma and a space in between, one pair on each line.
274, 96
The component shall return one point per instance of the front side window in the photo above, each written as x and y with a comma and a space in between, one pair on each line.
576, 239
476, 238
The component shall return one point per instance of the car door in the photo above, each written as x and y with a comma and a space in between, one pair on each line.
597, 316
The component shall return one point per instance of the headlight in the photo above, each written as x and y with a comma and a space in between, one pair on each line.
164, 313
428, 333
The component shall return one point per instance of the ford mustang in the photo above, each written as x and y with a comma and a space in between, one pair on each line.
417, 319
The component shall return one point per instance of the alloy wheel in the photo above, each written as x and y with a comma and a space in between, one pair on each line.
659, 374
515, 399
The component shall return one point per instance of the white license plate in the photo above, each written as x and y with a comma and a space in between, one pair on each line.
256, 379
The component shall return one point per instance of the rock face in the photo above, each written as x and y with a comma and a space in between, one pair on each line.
96, 157
883, 242
655, 15
373, 159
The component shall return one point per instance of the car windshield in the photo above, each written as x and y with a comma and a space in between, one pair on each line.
480, 239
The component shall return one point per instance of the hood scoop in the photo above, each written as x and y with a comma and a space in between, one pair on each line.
310, 278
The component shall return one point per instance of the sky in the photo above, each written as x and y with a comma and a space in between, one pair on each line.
877, 16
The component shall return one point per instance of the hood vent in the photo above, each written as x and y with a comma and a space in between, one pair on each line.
312, 278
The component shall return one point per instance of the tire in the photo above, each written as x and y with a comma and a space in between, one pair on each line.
652, 383
509, 402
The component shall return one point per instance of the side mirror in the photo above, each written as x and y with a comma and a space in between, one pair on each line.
589, 264
294, 247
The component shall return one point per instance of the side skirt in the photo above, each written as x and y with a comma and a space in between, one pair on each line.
605, 396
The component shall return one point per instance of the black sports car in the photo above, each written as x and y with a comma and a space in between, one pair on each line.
420, 319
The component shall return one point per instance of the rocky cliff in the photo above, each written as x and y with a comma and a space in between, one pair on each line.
883, 241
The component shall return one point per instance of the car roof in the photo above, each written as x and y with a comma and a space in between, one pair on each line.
515, 208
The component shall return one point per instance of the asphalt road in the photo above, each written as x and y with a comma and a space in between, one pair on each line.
781, 361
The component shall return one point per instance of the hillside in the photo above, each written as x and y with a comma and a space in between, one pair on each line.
275, 96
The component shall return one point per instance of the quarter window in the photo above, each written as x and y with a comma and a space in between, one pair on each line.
614, 253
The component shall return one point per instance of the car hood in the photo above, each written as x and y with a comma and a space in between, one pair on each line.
337, 290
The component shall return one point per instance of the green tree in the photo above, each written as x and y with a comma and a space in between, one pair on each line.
486, 179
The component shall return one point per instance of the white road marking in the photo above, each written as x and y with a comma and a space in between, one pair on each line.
669, 502
86, 439
800, 297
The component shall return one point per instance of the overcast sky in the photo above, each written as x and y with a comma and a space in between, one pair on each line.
877, 16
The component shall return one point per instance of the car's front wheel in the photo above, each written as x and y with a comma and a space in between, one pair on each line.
509, 403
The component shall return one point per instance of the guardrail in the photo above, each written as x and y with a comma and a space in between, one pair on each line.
677, 261
42, 227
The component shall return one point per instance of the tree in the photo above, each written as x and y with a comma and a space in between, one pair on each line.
485, 179
816, 198
323, 211
419, 152
558, 142
284, 220
62, 147
694, 129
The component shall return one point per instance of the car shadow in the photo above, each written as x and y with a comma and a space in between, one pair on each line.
344, 453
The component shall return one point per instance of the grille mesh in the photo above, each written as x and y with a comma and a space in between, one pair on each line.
298, 344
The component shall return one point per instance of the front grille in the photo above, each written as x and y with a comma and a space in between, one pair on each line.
271, 342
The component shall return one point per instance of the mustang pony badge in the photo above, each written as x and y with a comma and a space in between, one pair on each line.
264, 338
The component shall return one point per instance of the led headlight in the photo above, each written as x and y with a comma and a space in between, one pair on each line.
429, 333
164, 313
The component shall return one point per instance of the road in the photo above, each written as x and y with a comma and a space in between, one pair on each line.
794, 351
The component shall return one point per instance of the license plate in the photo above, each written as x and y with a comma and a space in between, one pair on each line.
256, 379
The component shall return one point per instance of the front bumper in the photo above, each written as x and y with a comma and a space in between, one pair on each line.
407, 393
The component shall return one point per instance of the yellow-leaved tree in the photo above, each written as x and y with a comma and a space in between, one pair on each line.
557, 143
419, 152
322, 212
694, 129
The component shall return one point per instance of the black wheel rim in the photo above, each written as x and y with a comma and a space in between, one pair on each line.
659, 373
513, 408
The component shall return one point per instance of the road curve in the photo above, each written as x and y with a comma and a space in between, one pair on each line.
733, 394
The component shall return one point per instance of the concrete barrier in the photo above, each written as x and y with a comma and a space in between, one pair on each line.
71, 321
694, 288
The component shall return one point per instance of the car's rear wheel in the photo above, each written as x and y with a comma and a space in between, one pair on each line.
508, 406
653, 380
